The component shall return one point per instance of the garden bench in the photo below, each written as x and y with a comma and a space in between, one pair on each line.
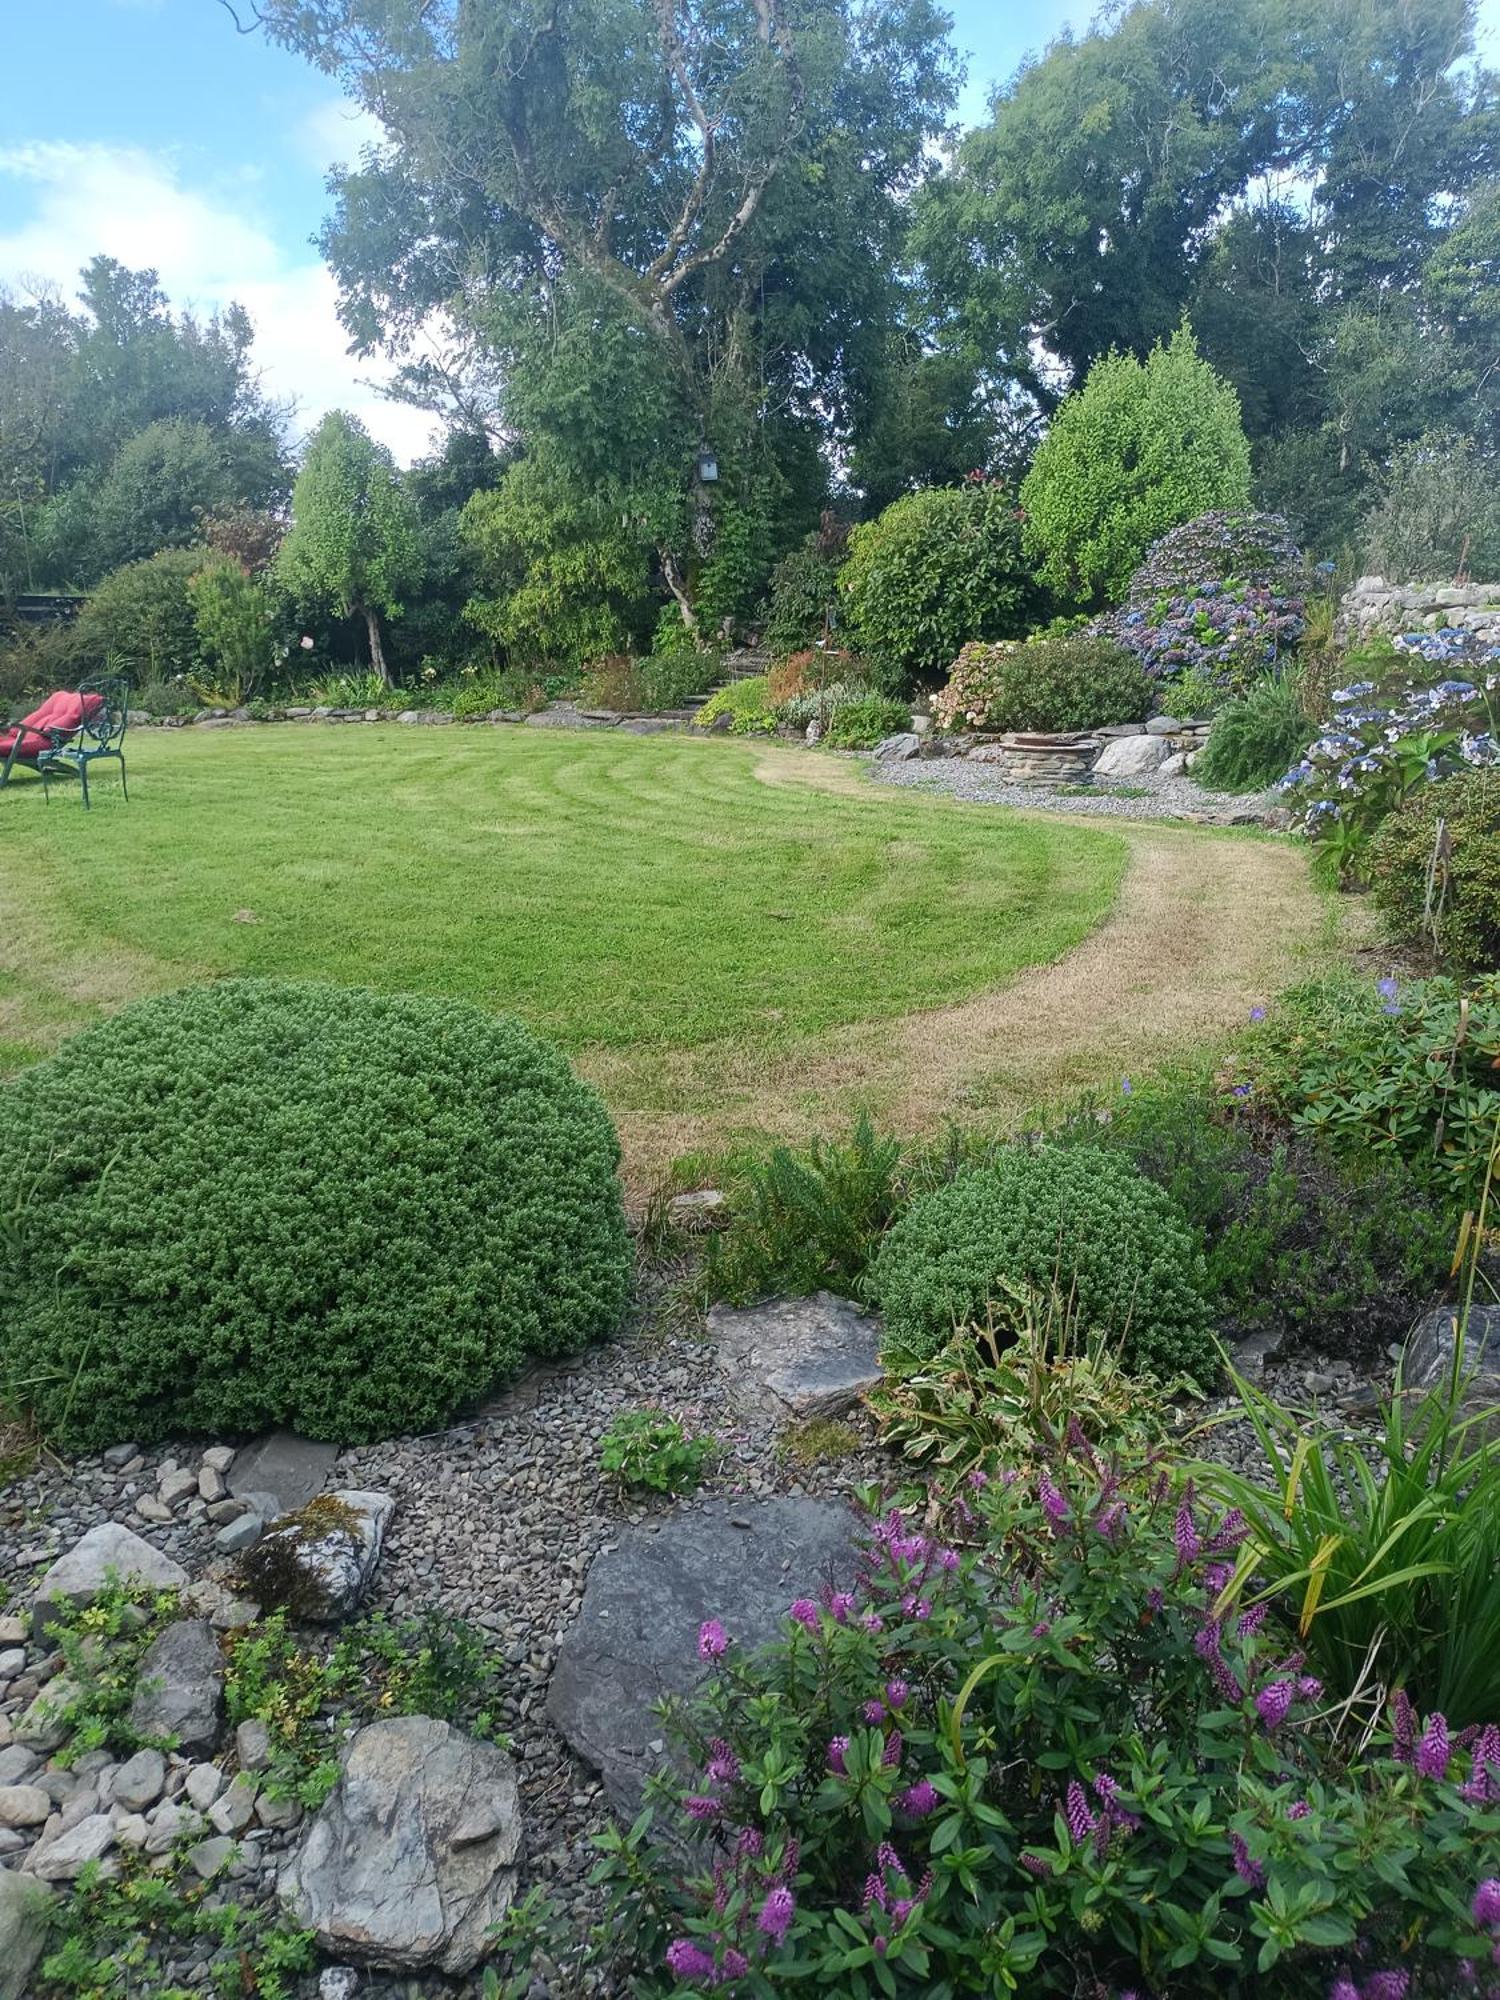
71, 730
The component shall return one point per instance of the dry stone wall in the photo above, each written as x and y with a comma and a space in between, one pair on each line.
1376, 606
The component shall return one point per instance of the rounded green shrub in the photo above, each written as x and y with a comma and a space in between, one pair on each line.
140, 619
865, 721
1256, 739
1087, 1224
1435, 871
1142, 446
747, 703
1073, 680
268, 1202
936, 569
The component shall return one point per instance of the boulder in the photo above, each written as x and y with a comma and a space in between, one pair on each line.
1132, 757
180, 1687
898, 749
1430, 1353
24, 1909
411, 1860
291, 1469
799, 1357
105, 1555
66, 1857
139, 1782
24, 1805
318, 1563
742, 1562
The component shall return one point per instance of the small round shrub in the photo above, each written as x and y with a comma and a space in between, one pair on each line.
1256, 739
1140, 447
1087, 1224
746, 702
1225, 546
1463, 871
1073, 681
140, 618
936, 569
347, 1212
867, 720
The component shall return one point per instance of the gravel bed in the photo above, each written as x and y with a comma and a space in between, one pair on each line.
498, 1520
1166, 798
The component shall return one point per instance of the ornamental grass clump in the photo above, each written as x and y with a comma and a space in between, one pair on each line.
1051, 1218
290, 1203
1017, 1750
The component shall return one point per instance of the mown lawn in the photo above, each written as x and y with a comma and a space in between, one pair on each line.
646, 894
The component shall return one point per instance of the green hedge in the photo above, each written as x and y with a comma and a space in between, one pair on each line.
265, 1202
1085, 1223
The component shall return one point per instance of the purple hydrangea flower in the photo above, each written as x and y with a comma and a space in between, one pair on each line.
896, 1693
806, 1613
1487, 1904
776, 1914
713, 1641
919, 1799
1273, 1703
873, 1713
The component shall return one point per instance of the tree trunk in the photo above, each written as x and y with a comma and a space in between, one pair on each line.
677, 584
377, 651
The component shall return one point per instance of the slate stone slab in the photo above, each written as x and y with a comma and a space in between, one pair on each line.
799, 1357
411, 1859
290, 1468
24, 1908
108, 1553
636, 1638
1429, 1360
180, 1687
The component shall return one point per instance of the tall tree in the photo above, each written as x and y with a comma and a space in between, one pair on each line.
354, 545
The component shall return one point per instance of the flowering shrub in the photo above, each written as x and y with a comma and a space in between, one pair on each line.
1410, 1068
1023, 1754
1436, 715
1435, 870
1215, 602
1071, 681
1082, 1221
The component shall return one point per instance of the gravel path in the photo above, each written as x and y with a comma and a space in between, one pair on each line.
1165, 798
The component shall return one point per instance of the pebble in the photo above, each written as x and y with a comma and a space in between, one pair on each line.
1165, 798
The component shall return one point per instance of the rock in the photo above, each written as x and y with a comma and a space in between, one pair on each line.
139, 1782
202, 1786
338, 1982
43, 1726
234, 1812
17, 1763
62, 1859
211, 1486
636, 1637
180, 1686
106, 1554
13, 1631
1431, 1352
169, 1824
1132, 757
704, 1208
210, 1857
150, 1508
799, 1357
223, 1610
898, 749
25, 1907
119, 1455
12, 1662
24, 1805
291, 1468
277, 1814
131, 1829
1163, 725
319, 1562
1175, 767
219, 1457
813, 734
412, 1858
252, 1745
176, 1487
240, 1534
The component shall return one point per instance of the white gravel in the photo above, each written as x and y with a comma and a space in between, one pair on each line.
1161, 798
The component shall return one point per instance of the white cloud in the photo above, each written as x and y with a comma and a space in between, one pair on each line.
207, 245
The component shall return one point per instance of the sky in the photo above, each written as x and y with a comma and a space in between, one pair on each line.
153, 132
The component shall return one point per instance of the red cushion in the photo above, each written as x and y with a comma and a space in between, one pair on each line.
64, 710
31, 743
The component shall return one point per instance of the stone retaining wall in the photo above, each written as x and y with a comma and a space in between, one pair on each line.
1375, 606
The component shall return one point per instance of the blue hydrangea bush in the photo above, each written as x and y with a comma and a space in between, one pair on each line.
1029, 1750
1215, 603
1434, 715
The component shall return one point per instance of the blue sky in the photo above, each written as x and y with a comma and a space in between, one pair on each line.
150, 130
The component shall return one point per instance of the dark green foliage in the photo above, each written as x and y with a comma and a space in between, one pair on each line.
1085, 1224
861, 724
1438, 514
800, 1221
1070, 680
1341, 1253
140, 620
343, 1211
1435, 871
804, 598
1256, 739
935, 570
